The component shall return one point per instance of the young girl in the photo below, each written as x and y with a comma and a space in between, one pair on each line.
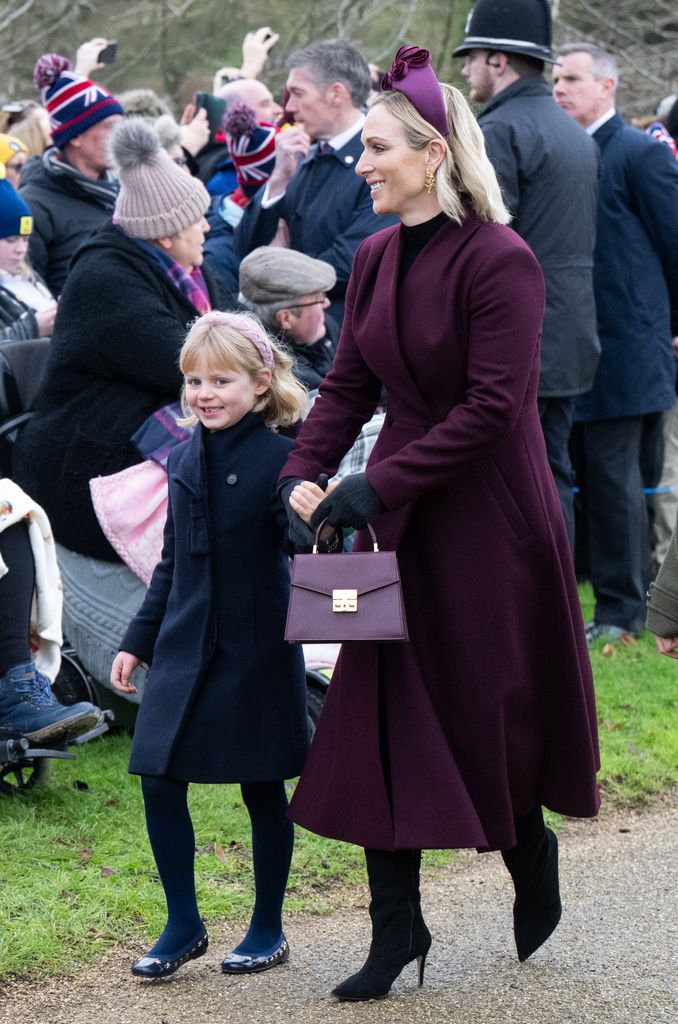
225, 698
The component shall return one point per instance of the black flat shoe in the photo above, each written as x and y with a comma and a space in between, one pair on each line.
240, 963
162, 967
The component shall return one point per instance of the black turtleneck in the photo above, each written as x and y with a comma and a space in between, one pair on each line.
415, 238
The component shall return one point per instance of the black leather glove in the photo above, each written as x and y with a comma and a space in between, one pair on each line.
354, 503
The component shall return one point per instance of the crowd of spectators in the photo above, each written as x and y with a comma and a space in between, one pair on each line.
121, 220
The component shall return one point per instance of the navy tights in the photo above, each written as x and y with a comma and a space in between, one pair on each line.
170, 831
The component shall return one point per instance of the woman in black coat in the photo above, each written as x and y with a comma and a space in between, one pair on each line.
132, 290
225, 697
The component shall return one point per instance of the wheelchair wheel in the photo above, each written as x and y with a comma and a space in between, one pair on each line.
22, 776
314, 705
73, 683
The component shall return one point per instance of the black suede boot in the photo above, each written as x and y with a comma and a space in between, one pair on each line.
399, 933
533, 866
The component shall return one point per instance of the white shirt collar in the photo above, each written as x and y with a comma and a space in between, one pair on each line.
592, 128
340, 140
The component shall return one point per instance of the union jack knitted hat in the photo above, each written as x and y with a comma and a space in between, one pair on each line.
252, 148
73, 103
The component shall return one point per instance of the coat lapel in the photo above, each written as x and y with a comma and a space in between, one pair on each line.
190, 474
607, 130
378, 327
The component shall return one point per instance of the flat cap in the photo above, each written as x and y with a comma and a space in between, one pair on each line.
271, 276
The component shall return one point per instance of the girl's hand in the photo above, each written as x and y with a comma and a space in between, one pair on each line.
305, 499
667, 645
122, 669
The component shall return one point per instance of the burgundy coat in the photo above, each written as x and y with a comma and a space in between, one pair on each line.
489, 708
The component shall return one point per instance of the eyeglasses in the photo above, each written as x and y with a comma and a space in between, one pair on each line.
315, 302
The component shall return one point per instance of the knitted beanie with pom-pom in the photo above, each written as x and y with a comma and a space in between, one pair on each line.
157, 198
252, 148
73, 103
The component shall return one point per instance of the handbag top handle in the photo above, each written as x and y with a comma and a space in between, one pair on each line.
314, 551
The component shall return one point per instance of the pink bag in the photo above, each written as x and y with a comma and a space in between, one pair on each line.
131, 507
354, 596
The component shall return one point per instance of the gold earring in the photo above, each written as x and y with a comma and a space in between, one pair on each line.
430, 181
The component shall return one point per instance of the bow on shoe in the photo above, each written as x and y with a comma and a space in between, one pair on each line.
353, 503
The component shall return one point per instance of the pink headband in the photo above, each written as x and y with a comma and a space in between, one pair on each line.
245, 327
411, 73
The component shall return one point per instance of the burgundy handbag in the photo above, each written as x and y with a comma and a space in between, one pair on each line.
352, 596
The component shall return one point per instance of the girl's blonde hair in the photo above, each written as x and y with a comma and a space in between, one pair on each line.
466, 172
225, 341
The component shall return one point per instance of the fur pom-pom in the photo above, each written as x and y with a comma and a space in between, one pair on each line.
48, 69
133, 144
239, 120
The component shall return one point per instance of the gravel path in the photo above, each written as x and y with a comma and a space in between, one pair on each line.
613, 960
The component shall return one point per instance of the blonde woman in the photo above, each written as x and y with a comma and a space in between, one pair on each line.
459, 736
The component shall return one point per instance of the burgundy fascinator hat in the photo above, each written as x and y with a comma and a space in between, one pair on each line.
411, 73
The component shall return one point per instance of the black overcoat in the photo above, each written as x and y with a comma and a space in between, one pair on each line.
64, 216
548, 171
225, 699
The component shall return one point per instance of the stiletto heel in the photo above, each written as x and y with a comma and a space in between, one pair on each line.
421, 964
399, 933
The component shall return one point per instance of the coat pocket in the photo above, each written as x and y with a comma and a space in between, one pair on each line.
198, 538
504, 497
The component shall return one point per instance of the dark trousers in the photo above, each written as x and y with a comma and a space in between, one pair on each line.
557, 416
16, 595
622, 456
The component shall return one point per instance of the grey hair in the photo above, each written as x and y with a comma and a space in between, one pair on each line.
143, 103
333, 60
604, 64
168, 131
265, 311
665, 106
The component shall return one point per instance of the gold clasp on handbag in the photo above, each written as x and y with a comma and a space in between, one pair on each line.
344, 600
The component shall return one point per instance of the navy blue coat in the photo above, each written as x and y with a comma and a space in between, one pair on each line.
225, 699
635, 275
220, 258
328, 210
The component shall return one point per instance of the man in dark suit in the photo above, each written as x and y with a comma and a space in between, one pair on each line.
326, 208
548, 172
636, 290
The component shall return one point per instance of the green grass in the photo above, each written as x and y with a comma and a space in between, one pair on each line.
77, 876
637, 699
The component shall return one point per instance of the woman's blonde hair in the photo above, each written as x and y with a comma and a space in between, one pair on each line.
466, 172
28, 131
239, 341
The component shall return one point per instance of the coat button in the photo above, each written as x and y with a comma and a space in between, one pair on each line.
231, 478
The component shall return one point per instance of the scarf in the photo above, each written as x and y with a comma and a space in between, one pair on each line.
104, 190
158, 434
192, 286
